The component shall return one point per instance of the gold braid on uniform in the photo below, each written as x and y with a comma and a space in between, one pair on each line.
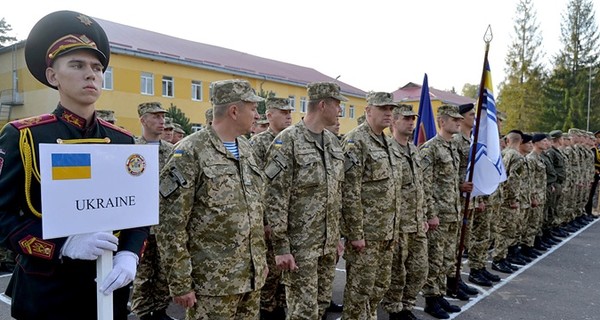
30, 166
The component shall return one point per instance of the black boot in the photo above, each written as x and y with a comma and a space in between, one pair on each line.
478, 278
467, 289
501, 266
455, 292
447, 306
490, 276
432, 306
334, 307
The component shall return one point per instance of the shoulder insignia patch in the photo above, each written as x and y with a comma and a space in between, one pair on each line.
112, 126
37, 247
34, 121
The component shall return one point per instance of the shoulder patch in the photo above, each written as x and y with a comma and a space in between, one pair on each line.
37, 247
277, 143
112, 126
34, 121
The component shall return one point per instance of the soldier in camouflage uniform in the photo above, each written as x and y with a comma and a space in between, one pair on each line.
261, 125
525, 204
272, 297
211, 235
209, 116
535, 215
509, 210
305, 168
372, 193
178, 133
167, 134
151, 296
409, 265
441, 163
557, 159
107, 115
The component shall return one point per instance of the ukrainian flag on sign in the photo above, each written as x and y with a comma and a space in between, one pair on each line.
71, 166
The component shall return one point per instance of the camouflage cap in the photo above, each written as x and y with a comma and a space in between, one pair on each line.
405, 110
449, 110
209, 115
324, 90
279, 103
575, 131
150, 107
178, 128
106, 115
361, 119
168, 123
263, 119
229, 91
555, 134
380, 99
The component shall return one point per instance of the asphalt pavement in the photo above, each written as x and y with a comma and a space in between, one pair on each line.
564, 283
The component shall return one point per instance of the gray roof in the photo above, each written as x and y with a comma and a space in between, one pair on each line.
134, 41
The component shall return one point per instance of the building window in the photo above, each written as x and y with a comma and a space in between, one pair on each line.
292, 102
147, 83
351, 112
343, 110
196, 90
303, 104
167, 86
107, 83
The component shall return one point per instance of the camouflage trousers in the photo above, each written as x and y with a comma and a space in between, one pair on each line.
480, 236
409, 272
442, 249
232, 307
505, 231
533, 228
520, 225
272, 294
308, 290
550, 206
150, 286
368, 276
563, 206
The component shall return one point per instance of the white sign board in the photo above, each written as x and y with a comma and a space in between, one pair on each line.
97, 187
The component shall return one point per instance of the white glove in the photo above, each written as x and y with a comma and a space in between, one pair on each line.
123, 272
89, 246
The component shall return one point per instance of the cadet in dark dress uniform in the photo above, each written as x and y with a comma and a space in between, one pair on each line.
55, 279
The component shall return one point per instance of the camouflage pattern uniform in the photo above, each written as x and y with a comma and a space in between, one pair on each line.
564, 205
211, 234
535, 215
506, 226
524, 202
551, 191
106, 115
150, 287
409, 268
441, 163
372, 193
303, 207
557, 160
273, 293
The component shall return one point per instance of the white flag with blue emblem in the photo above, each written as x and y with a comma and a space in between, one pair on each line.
489, 170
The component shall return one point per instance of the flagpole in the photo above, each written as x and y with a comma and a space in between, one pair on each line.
487, 38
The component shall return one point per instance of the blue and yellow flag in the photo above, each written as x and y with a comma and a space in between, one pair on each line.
488, 170
425, 128
71, 166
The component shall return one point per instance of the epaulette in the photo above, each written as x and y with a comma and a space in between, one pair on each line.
112, 126
34, 121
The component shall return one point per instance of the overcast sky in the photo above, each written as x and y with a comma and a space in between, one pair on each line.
373, 45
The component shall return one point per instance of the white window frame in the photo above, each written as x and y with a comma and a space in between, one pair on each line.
342, 110
147, 83
303, 104
351, 112
168, 84
107, 80
292, 102
197, 90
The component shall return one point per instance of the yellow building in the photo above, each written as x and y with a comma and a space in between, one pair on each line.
149, 66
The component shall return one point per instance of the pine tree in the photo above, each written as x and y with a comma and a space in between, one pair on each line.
521, 92
566, 94
179, 117
4, 29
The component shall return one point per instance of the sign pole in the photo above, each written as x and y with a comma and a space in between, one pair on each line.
104, 303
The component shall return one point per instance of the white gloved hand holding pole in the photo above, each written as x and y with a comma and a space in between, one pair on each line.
123, 272
89, 246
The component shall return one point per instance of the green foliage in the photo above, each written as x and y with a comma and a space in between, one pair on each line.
4, 29
262, 107
179, 117
470, 90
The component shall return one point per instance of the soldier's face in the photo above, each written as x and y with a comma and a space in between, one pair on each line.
246, 115
405, 125
78, 77
335, 128
380, 117
279, 119
167, 135
153, 123
450, 125
331, 109
469, 119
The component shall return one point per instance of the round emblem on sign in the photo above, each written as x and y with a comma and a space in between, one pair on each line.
135, 164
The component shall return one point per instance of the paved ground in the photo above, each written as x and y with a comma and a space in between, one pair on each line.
562, 284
